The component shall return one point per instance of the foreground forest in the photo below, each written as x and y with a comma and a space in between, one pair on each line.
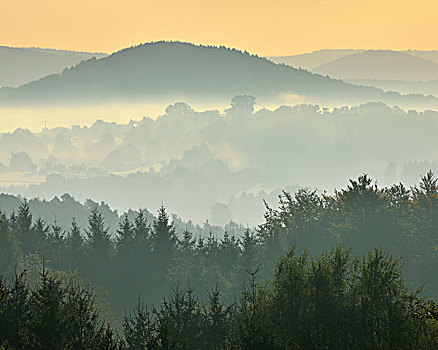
318, 273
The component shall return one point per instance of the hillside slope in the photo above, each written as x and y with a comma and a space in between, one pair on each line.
313, 59
22, 65
428, 87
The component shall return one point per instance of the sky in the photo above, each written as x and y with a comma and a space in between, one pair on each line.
268, 28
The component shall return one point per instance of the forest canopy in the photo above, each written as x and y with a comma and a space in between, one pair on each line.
320, 270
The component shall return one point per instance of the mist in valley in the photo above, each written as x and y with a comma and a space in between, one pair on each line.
235, 156
228, 200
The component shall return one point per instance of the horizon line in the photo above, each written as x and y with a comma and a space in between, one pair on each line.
212, 45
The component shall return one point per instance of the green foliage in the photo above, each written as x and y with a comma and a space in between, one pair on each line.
2, 295
100, 247
74, 248
347, 298
181, 322
55, 314
9, 249
138, 329
333, 302
23, 226
163, 235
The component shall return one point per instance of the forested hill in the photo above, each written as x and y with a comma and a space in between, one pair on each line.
175, 69
380, 64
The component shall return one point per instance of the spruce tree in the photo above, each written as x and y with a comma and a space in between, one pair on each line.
41, 232
164, 242
142, 231
164, 235
23, 225
138, 329
217, 321
54, 250
9, 250
75, 247
44, 327
100, 247
228, 256
15, 312
125, 237
185, 261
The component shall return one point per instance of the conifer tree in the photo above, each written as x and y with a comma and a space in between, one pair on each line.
55, 314
142, 244
100, 247
217, 321
54, 250
164, 235
184, 260
9, 250
187, 243
249, 255
164, 244
134, 253
138, 329
15, 312
142, 231
180, 322
44, 327
75, 247
125, 238
23, 225
41, 232
228, 256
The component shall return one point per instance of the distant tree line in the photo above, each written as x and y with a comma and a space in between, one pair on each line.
272, 288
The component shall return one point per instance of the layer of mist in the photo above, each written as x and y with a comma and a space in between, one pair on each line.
219, 162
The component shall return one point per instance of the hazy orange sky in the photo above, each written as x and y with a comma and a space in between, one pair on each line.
275, 27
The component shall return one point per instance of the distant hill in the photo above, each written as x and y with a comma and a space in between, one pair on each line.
22, 65
413, 76
428, 55
176, 69
378, 64
313, 59
429, 87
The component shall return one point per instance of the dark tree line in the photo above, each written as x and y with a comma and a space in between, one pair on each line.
332, 301
301, 299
